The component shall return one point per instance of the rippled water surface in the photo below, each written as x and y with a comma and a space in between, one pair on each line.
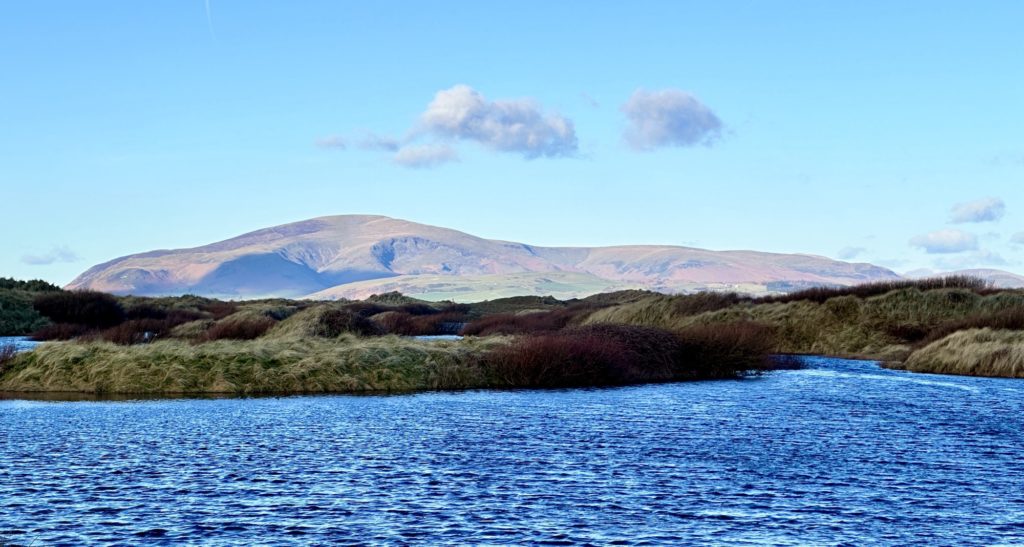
22, 343
840, 453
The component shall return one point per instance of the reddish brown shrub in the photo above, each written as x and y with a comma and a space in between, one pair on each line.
626, 354
403, 324
150, 311
725, 350
557, 360
137, 331
218, 309
506, 323
60, 331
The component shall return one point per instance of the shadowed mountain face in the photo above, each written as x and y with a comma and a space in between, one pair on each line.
356, 255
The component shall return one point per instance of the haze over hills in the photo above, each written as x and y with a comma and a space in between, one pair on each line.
998, 278
353, 256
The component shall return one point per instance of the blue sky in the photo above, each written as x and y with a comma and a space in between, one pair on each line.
888, 132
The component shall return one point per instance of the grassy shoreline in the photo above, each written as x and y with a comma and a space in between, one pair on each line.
348, 364
192, 345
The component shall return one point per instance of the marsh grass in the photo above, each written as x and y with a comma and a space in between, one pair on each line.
238, 328
287, 361
974, 352
315, 365
883, 326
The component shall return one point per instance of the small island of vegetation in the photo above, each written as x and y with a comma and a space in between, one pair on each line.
190, 344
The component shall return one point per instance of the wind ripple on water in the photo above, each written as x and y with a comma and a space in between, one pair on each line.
842, 452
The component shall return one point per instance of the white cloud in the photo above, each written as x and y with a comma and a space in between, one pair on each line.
424, 155
847, 253
57, 254
669, 117
1017, 238
517, 125
946, 241
982, 210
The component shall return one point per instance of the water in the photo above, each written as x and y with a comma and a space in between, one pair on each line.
22, 343
840, 453
439, 337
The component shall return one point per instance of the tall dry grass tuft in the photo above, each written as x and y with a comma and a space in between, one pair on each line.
244, 328
973, 352
693, 304
1007, 319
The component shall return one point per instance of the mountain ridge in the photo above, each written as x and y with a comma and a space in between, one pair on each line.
320, 256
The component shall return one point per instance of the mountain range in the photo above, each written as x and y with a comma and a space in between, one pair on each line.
354, 256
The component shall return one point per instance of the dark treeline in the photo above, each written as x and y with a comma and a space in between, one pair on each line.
17, 316
32, 285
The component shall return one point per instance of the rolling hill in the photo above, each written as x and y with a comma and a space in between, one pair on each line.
351, 256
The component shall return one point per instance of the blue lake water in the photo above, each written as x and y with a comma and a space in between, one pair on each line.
20, 342
840, 453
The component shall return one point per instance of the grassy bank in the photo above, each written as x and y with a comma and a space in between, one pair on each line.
972, 352
347, 364
106, 344
196, 345
283, 362
885, 326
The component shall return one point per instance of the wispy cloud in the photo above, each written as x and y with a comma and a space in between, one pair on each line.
946, 241
517, 125
56, 254
981, 257
982, 210
1017, 238
425, 155
847, 253
332, 142
373, 141
669, 117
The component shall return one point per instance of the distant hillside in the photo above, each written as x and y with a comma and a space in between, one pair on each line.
351, 255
